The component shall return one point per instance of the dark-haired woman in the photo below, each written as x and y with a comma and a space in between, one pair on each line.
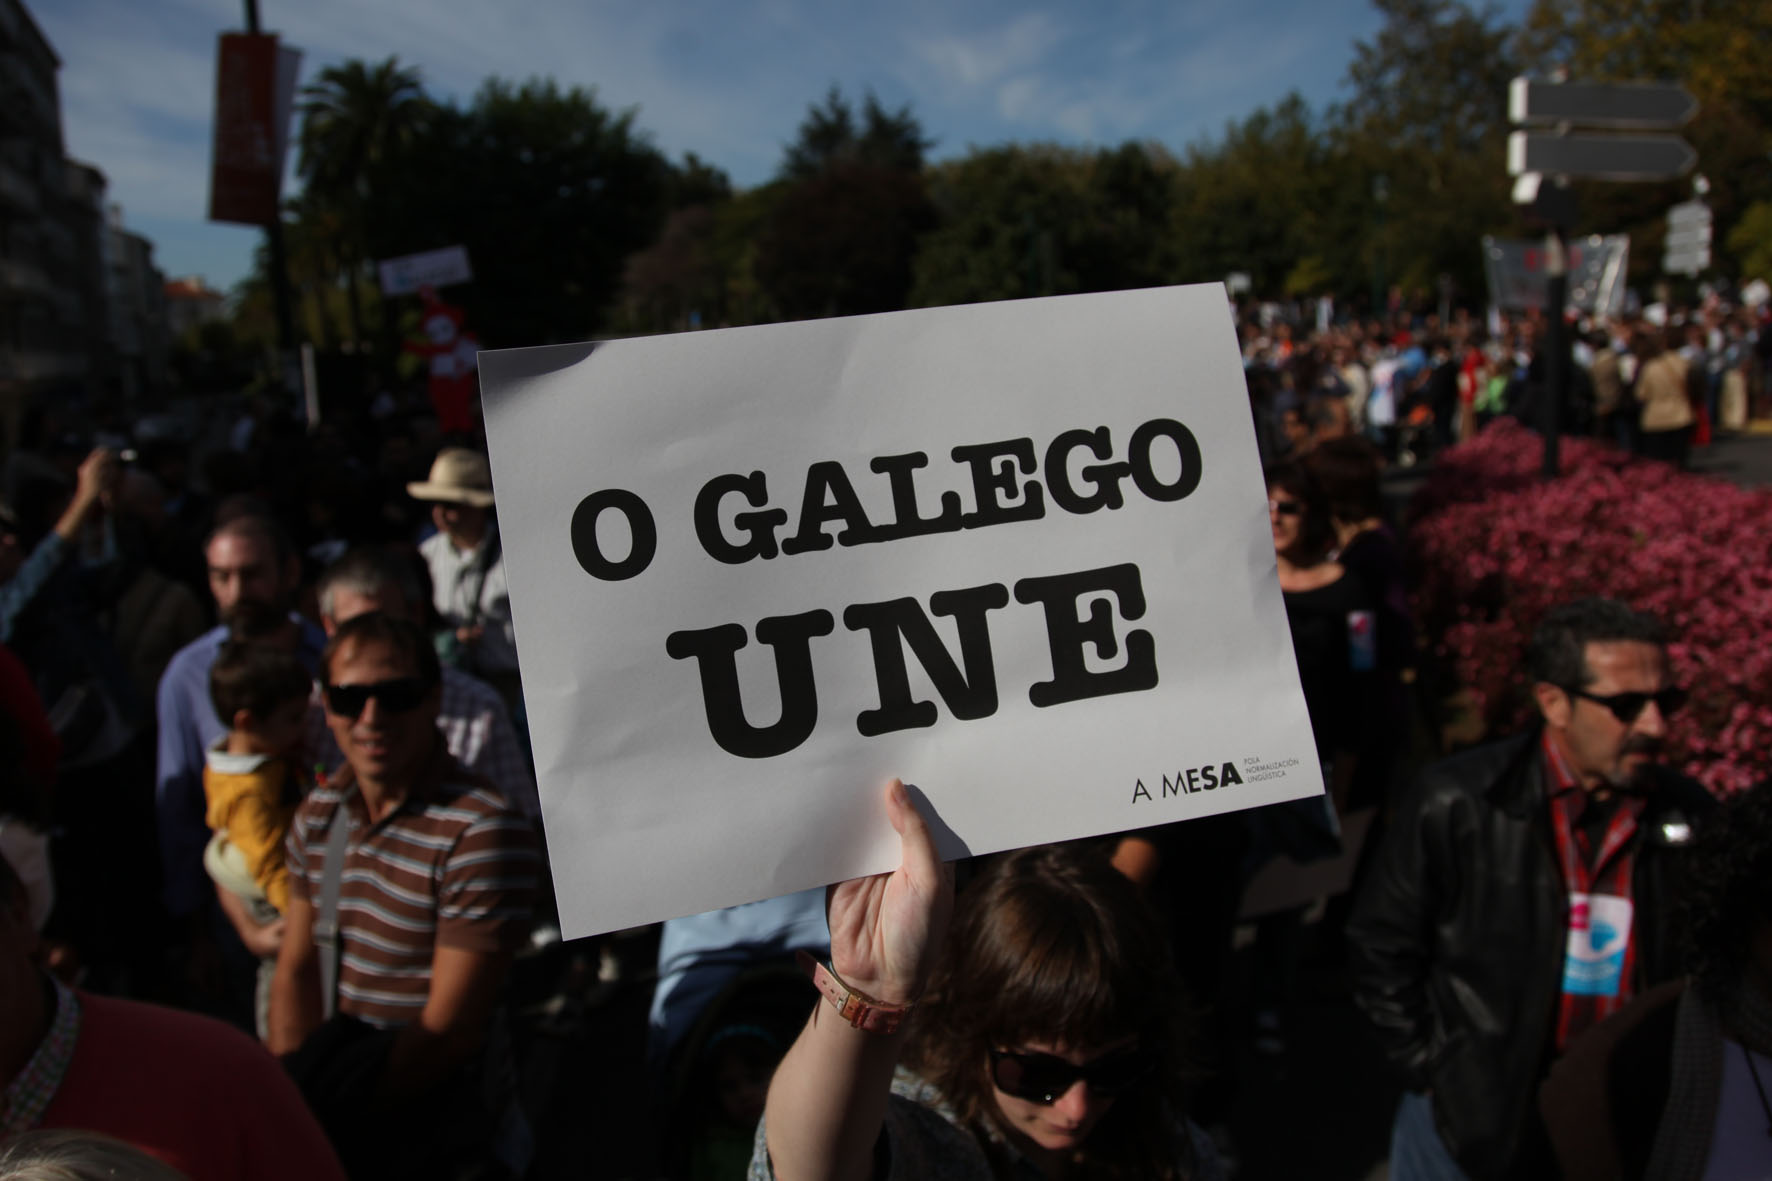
1334, 640
1334, 625
1347, 472
1038, 1036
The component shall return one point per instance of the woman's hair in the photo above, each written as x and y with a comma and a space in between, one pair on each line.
79, 1156
1728, 897
1316, 533
1052, 945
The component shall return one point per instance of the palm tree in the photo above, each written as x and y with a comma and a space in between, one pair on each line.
355, 119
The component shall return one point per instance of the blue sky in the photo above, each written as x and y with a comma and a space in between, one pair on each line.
726, 79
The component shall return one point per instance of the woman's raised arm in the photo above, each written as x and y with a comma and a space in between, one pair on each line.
828, 1097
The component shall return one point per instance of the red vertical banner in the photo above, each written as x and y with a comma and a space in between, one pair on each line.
246, 170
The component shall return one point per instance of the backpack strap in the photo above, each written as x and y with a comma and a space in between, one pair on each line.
327, 940
482, 568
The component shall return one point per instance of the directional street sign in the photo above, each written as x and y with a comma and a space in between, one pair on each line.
1599, 104
1600, 157
1687, 249
1688, 237
1688, 213
1689, 262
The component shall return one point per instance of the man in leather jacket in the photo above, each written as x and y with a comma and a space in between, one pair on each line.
1523, 892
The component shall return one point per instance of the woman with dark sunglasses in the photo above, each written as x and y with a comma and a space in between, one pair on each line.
1039, 1038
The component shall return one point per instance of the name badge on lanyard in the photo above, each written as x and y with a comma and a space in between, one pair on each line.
1599, 932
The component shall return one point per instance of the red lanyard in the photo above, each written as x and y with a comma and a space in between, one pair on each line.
1566, 804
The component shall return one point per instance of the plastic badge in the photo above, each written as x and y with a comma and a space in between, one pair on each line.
1362, 640
1599, 932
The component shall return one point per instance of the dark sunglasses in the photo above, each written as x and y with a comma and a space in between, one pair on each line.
1627, 706
1285, 508
1042, 1078
396, 696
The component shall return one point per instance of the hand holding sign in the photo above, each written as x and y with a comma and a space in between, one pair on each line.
887, 929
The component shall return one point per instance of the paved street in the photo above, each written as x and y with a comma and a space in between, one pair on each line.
1744, 459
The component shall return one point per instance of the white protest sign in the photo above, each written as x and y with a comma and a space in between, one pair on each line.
1017, 554
432, 268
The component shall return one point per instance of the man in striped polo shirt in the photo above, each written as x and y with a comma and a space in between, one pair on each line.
439, 872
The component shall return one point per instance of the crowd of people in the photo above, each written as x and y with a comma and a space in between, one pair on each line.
1655, 381
272, 848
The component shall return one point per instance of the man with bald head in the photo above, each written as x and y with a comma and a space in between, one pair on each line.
250, 559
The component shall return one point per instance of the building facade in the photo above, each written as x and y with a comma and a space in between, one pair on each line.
82, 308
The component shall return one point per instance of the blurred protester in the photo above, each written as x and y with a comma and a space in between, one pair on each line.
1733, 382
23, 577
1440, 394
1664, 417
1331, 617
1673, 1085
1041, 1032
1526, 891
36, 749
250, 561
468, 572
185, 1089
185, 513
1347, 472
411, 885
1607, 375
1333, 628
61, 618
151, 614
700, 955
476, 727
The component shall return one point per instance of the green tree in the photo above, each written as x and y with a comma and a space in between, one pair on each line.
355, 120
1045, 220
842, 229
1751, 241
1428, 113
548, 190
1276, 188
831, 135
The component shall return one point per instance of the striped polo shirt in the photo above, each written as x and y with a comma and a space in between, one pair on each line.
452, 866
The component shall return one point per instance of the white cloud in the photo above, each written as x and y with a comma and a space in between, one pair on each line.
970, 61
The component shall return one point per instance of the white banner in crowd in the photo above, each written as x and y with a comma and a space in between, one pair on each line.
1519, 277
1016, 554
432, 268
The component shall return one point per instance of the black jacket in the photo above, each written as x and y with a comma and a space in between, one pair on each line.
1456, 941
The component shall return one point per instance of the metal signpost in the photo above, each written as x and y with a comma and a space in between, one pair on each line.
1560, 153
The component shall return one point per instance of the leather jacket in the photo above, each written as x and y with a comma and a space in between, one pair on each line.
1456, 941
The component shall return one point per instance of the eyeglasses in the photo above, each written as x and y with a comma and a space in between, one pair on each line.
396, 697
1285, 508
1042, 1078
1627, 706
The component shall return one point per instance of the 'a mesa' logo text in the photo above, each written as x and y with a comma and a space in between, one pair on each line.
1193, 779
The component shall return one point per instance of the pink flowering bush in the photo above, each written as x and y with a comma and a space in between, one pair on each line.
1497, 547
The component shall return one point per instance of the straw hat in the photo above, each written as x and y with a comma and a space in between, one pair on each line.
459, 476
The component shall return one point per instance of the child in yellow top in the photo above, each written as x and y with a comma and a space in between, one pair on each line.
250, 775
